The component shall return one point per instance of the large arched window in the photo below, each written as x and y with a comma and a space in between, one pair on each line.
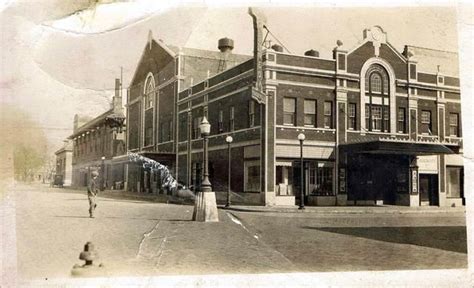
377, 99
149, 91
148, 115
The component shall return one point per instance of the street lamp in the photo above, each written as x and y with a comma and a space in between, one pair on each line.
301, 137
205, 128
102, 187
205, 207
229, 140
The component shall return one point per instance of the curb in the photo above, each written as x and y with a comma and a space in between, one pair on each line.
315, 210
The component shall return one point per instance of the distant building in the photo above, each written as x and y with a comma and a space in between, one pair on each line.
378, 128
98, 144
64, 163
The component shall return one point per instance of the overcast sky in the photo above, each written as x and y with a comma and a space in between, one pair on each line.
56, 63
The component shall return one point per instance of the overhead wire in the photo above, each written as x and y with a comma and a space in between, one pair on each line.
279, 42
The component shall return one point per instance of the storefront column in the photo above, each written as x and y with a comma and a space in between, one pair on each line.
412, 116
414, 182
341, 137
442, 180
267, 156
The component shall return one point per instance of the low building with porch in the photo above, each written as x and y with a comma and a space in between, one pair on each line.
99, 145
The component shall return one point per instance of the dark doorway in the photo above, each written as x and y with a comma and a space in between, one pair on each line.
373, 177
429, 189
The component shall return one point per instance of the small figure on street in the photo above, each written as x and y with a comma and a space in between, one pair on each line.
92, 190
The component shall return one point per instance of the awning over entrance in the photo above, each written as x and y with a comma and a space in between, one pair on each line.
163, 158
397, 147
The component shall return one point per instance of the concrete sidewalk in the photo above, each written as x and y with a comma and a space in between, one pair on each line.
376, 209
379, 209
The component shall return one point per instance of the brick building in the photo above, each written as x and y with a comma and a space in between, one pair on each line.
381, 126
162, 71
99, 144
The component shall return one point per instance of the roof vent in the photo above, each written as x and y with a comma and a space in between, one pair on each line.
225, 44
277, 48
311, 53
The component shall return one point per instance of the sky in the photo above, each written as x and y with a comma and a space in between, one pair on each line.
60, 58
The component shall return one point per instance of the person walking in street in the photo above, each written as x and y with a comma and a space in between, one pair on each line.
92, 190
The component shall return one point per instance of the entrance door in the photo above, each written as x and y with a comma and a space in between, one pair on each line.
429, 189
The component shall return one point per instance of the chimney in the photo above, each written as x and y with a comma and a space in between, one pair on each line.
277, 48
259, 21
311, 53
76, 123
117, 100
225, 45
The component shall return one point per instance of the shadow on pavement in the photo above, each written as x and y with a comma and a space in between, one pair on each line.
449, 238
128, 218
70, 216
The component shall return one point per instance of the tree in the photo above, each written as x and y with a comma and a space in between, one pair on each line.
23, 143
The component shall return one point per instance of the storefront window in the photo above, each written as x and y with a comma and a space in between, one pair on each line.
284, 181
321, 176
454, 182
252, 176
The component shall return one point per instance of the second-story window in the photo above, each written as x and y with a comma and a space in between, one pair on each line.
377, 93
251, 113
196, 130
148, 136
310, 113
220, 124
454, 124
426, 122
327, 114
162, 132
352, 113
231, 119
289, 111
170, 130
401, 120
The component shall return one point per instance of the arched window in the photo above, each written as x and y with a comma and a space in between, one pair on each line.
377, 99
149, 91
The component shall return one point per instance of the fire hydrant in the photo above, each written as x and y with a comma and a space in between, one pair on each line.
89, 268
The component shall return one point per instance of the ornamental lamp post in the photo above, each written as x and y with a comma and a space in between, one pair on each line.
301, 137
205, 207
229, 140
102, 168
205, 128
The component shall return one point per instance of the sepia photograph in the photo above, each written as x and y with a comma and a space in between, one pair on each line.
237, 144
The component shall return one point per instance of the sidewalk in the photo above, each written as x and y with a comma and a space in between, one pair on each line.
379, 209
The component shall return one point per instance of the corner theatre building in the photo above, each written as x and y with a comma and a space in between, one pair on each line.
380, 126
403, 147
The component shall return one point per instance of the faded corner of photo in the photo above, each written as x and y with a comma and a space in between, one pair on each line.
154, 144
